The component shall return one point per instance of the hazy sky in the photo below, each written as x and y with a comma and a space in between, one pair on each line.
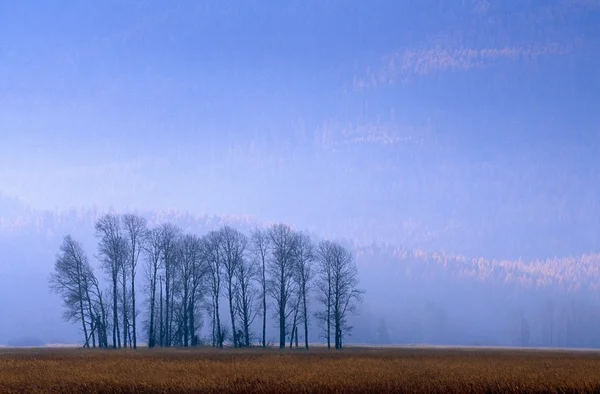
427, 119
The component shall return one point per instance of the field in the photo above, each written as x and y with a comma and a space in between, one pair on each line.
265, 371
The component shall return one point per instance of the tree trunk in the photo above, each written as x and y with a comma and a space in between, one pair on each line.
85, 333
115, 314
161, 321
170, 318
167, 340
264, 305
103, 319
336, 314
92, 317
185, 318
129, 335
296, 336
125, 307
305, 312
133, 311
151, 339
292, 336
295, 324
246, 324
214, 323
192, 324
80, 296
232, 314
218, 319
118, 335
329, 316
282, 314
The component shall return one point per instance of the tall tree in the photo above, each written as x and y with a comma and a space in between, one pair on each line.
281, 270
72, 279
153, 254
325, 256
169, 235
198, 287
260, 248
135, 227
110, 250
189, 269
182, 269
304, 257
247, 273
161, 313
212, 253
295, 309
99, 312
345, 293
125, 307
233, 246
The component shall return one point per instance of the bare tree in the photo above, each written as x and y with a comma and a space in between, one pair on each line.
110, 249
72, 279
153, 253
169, 236
304, 257
260, 248
198, 288
161, 313
124, 264
281, 270
247, 273
212, 254
233, 246
345, 294
325, 256
181, 270
135, 226
295, 309
99, 312
190, 275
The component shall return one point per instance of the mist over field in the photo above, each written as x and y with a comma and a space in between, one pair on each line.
452, 148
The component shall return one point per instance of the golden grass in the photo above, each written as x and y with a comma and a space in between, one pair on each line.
266, 371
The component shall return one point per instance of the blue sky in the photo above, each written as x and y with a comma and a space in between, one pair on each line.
449, 124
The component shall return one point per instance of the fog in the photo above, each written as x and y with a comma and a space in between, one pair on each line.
453, 148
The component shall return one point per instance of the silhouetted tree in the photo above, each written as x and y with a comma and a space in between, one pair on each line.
73, 279
153, 253
325, 256
345, 293
304, 257
96, 300
233, 246
260, 248
125, 269
181, 269
169, 237
189, 276
135, 227
198, 287
112, 251
247, 273
337, 290
281, 273
212, 253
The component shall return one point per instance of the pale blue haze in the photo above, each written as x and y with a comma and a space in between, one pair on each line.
470, 126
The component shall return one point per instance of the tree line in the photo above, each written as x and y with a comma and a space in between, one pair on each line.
274, 271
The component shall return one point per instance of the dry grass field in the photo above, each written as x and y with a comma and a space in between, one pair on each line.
267, 371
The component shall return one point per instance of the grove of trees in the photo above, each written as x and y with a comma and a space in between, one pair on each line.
225, 277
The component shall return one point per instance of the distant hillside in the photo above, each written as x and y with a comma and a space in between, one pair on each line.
412, 296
